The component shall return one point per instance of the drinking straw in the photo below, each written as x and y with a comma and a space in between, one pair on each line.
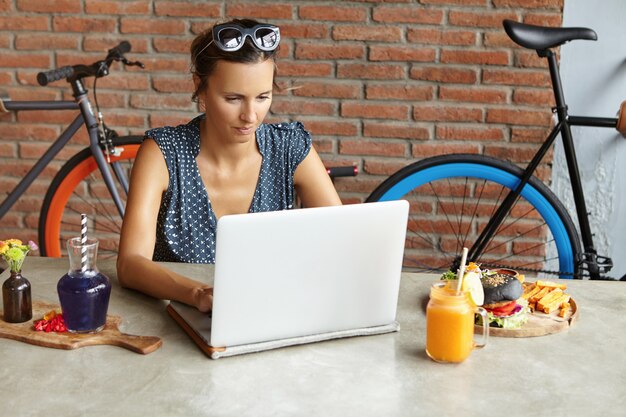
83, 242
461, 273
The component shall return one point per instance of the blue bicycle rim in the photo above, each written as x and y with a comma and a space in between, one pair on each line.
530, 193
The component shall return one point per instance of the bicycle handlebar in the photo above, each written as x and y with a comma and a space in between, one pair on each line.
97, 69
349, 171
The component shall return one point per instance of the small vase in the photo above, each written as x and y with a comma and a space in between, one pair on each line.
84, 292
16, 299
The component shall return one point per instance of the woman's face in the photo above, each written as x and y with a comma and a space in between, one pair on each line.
237, 99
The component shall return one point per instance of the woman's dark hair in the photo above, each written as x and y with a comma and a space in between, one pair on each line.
204, 59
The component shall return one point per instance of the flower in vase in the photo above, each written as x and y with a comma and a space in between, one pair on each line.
14, 252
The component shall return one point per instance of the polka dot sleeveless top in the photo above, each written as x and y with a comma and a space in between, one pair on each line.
186, 224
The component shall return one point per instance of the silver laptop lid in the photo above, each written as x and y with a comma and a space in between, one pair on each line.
308, 271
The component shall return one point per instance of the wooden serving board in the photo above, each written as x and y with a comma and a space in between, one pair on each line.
538, 324
110, 335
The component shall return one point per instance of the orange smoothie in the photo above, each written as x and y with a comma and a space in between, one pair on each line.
449, 325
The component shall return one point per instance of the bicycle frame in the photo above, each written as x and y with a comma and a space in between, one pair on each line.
590, 259
85, 117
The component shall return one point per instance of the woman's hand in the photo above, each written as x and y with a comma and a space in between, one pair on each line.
203, 299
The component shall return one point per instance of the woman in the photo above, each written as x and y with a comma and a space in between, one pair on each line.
225, 161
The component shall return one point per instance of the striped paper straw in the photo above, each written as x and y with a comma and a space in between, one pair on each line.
83, 242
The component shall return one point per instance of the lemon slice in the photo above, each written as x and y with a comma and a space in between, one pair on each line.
474, 287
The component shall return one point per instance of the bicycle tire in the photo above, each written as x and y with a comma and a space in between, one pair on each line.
79, 188
470, 187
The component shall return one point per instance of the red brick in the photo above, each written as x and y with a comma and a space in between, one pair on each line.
103, 44
328, 51
399, 92
441, 37
172, 84
25, 131
444, 74
124, 81
534, 97
371, 71
260, 11
374, 111
83, 24
176, 45
304, 30
498, 40
530, 4
124, 119
367, 33
161, 101
361, 147
49, 6
328, 89
481, 19
475, 95
74, 58
395, 130
124, 7
48, 41
424, 150
529, 59
6, 150
401, 53
187, 9
180, 65
323, 146
542, 19
6, 6
446, 113
469, 133
304, 69
465, 3
168, 118
308, 107
529, 134
511, 153
412, 14
333, 13
509, 77
152, 26
474, 57
515, 116
331, 127
24, 60
376, 167
25, 23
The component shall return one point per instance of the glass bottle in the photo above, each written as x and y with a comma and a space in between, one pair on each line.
16, 299
84, 292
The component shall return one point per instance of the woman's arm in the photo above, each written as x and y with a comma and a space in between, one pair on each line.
135, 268
313, 184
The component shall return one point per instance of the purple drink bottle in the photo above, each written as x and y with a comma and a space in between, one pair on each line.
84, 292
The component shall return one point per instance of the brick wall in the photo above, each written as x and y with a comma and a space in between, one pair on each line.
381, 82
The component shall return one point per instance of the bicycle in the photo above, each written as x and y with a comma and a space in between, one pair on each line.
512, 218
77, 187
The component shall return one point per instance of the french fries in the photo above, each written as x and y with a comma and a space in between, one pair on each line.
547, 297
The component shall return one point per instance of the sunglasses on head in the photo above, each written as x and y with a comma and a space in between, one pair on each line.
231, 37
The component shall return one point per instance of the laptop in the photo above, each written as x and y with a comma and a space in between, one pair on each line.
297, 276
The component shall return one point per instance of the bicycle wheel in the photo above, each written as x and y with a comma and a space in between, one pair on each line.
452, 198
79, 188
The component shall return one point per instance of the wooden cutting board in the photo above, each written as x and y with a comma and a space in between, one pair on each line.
110, 335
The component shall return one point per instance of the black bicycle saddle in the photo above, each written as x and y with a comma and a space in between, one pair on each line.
541, 37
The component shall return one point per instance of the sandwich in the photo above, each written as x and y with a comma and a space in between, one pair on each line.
506, 308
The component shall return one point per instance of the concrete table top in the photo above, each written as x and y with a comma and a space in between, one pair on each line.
579, 372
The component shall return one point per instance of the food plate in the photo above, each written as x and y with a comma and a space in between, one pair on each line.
538, 324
